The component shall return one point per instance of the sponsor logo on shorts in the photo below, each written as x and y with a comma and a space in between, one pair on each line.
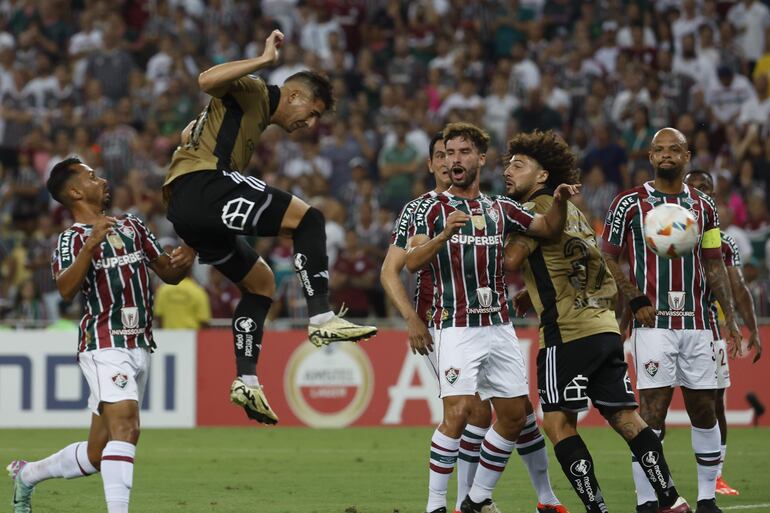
451, 375
575, 390
676, 300
650, 459
651, 367
300, 261
120, 380
627, 381
580, 468
235, 212
245, 325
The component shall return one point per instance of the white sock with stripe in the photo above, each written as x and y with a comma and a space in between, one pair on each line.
118, 475
468, 462
723, 451
531, 448
494, 455
443, 456
69, 463
705, 444
644, 490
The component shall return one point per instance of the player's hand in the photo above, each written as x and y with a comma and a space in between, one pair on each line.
565, 191
756, 345
272, 44
419, 338
99, 231
645, 316
625, 322
454, 222
522, 303
733, 337
182, 257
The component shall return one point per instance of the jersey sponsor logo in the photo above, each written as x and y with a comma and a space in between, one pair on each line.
484, 295
110, 262
120, 380
128, 331
300, 261
576, 389
486, 240
676, 300
675, 313
618, 216
650, 459
580, 468
236, 212
115, 240
245, 325
66, 242
129, 316
651, 367
479, 222
491, 309
451, 375
419, 213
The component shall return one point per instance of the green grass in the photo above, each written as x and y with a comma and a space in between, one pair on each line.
363, 470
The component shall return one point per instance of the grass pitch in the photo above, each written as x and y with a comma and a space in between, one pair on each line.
362, 470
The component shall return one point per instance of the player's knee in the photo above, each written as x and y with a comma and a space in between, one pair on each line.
481, 414
456, 417
312, 223
260, 280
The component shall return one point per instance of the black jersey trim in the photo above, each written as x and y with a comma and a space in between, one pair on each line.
228, 132
540, 192
550, 317
273, 97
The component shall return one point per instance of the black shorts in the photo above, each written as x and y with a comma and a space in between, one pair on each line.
213, 210
592, 367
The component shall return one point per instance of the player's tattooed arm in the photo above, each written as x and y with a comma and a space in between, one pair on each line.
645, 315
745, 306
719, 283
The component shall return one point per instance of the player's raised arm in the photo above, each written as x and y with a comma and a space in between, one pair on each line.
70, 280
551, 224
217, 79
422, 249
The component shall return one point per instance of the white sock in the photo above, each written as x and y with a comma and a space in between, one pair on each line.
468, 460
723, 451
531, 448
69, 463
443, 456
705, 444
250, 380
118, 475
644, 490
321, 318
495, 451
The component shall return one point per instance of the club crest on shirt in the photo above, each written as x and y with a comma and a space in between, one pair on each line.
115, 240
651, 367
127, 231
479, 222
451, 375
689, 201
120, 380
493, 215
694, 213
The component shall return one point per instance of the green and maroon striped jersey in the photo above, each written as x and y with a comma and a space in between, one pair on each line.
468, 270
423, 289
118, 298
732, 258
677, 286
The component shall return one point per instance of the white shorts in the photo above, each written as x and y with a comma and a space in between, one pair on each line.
115, 375
486, 360
666, 358
723, 369
430, 359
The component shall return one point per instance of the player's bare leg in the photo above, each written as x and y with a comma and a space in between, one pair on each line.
248, 323
653, 407
722, 487
307, 228
701, 408
496, 449
122, 421
79, 459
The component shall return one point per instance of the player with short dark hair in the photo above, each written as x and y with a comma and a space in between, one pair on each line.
107, 259
212, 205
744, 303
670, 301
581, 352
459, 236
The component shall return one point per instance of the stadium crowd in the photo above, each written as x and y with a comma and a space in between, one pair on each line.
115, 82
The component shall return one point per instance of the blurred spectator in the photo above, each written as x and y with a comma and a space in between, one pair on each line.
726, 95
609, 156
751, 19
224, 294
28, 306
40, 248
110, 64
597, 193
353, 278
184, 306
398, 165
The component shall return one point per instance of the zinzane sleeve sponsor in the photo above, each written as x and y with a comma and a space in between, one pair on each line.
711, 243
730, 253
424, 218
517, 218
616, 223
400, 234
149, 243
67, 249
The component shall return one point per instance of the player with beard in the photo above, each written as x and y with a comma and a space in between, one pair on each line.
107, 259
581, 352
459, 236
669, 300
702, 181
418, 316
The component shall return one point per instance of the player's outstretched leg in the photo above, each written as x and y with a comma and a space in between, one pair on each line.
311, 263
722, 487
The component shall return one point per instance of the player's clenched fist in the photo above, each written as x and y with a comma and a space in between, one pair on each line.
272, 44
454, 222
565, 191
99, 231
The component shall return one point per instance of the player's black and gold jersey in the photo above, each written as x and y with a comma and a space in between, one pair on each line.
225, 134
568, 281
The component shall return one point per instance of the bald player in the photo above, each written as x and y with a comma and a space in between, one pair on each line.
669, 299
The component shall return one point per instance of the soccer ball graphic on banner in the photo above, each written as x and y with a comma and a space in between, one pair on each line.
670, 230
